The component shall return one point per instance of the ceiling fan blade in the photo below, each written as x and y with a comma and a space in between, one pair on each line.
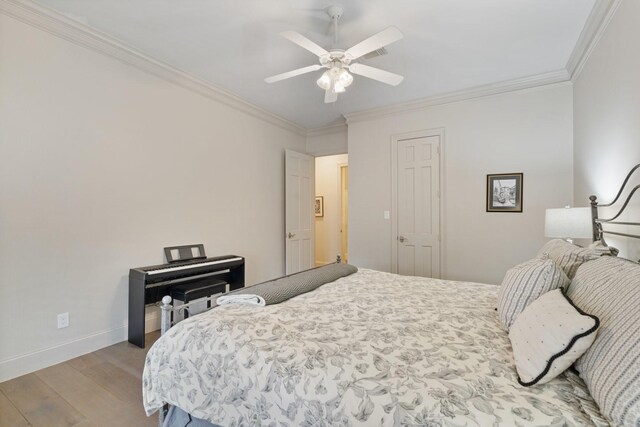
292, 73
383, 38
376, 74
304, 42
330, 96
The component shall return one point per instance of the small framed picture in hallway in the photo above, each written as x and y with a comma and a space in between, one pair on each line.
318, 206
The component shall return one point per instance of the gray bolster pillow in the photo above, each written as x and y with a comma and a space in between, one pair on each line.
278, 290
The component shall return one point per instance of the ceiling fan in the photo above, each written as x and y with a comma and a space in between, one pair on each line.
340, 63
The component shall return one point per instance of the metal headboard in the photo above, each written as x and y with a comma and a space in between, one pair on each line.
598, 231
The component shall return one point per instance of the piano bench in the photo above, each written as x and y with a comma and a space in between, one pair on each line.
193, 291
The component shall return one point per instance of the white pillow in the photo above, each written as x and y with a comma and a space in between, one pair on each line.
603, 249
525, 283
548, 336
567, 255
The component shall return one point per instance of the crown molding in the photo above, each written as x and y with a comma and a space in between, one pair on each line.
597, 22
339, 127
544, 79
59, 25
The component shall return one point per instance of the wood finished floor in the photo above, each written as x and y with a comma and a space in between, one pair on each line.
102, 388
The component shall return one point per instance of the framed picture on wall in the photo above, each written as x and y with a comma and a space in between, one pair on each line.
318, 206
504, 192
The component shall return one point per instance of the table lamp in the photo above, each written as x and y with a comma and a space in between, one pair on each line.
568, 223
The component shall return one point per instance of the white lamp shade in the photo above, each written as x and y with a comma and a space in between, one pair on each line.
324, 82
568, 223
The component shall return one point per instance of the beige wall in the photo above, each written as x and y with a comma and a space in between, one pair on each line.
607, 114
327, 228
101, 166
327, 142
527, 131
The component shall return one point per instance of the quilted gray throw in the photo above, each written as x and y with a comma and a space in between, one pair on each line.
279, 290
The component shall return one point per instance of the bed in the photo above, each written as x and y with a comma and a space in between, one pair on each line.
379, 349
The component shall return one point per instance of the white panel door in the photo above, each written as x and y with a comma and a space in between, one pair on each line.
417, 210
299, 173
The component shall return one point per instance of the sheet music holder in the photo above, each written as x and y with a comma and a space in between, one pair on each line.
184, 253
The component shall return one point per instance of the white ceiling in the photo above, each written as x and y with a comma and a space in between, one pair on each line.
449, 45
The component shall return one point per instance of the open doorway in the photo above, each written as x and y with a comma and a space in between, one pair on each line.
332, 209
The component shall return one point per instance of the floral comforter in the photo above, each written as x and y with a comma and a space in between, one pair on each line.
370, 349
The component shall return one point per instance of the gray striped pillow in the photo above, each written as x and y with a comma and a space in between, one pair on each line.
524, 283
568, 256
610, 289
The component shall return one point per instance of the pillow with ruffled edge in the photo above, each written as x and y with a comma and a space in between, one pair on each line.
549, 336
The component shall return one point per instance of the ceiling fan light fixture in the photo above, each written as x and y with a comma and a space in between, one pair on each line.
324, 82
335, 79
344, 78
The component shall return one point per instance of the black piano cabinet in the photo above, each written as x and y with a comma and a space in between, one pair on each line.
146, 287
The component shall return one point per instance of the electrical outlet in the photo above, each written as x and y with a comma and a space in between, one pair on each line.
63, 320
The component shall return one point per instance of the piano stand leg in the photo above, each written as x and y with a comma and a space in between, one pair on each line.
136, 313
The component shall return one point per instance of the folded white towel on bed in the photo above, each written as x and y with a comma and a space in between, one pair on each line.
241, 299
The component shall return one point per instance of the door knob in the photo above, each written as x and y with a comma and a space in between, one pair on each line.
402, 239
291, 235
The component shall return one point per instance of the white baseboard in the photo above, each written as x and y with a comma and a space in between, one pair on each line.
30, 362
40, 359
